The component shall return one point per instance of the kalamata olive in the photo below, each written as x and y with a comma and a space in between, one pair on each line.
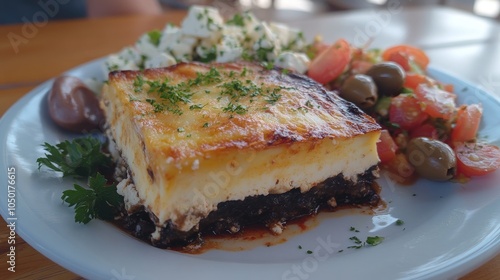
389, 78
73, 106
431, 158
360, 90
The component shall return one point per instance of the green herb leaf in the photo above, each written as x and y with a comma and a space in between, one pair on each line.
97, 201
400, 222
154, 37
82, 157
138, 83
355, 239
233, 108
374, 240
237, 20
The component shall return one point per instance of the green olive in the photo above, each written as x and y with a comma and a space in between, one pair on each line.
389, 78
360, 90
431, 158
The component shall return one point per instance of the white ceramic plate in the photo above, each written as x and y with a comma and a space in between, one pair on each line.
449, 228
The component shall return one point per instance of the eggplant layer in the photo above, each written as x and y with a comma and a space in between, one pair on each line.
262, 210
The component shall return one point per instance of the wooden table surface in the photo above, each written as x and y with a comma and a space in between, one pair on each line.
466, 45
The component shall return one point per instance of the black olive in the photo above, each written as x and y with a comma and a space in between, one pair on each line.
431, 158
73, 106
389, 78
360, 90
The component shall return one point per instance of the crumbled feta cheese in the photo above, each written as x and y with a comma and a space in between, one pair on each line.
159, 60
180, 46
130, 54
250, 26
115, 62
290, 38
202, 21
206, 52
281, 31
298, 62
229, 49
169, 34
145, 47
267, 46
203, 36
94, 84
233, 31
297, 41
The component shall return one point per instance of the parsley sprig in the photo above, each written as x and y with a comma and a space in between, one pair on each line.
80, 158
83, 158
97, 201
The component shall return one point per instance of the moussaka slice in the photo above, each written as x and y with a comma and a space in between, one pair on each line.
213, 148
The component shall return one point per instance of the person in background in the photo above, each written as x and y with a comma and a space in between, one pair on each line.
19, 11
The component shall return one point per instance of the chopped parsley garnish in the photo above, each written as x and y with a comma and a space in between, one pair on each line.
309, 252
138, 83
309, 104
170, 96
235, 108
209, 55
236, 89
97, 201
196, 107
205, 124
353, 229
157, 107
355, 239
133, 98
400, 222
154, 37
82, 157
237, 20
244, 72
374, 240
370, 240
273, 95
300, 247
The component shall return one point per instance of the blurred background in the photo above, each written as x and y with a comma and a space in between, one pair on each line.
307, 8
12, 12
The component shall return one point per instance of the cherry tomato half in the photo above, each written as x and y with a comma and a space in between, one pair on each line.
404, 54
436, 102
413, 80
405, 111
425, 130
477, 159
386, 147
330, 63
467, 125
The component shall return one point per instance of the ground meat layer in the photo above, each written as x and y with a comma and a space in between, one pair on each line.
272, 211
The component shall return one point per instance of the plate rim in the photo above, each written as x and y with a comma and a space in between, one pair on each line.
471, 263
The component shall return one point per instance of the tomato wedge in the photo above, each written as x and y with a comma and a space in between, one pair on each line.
386, 147
406, 54
477, 159
400, 59
467, 125
413, 80
406, 112
436, 102
425, 130
330, 63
